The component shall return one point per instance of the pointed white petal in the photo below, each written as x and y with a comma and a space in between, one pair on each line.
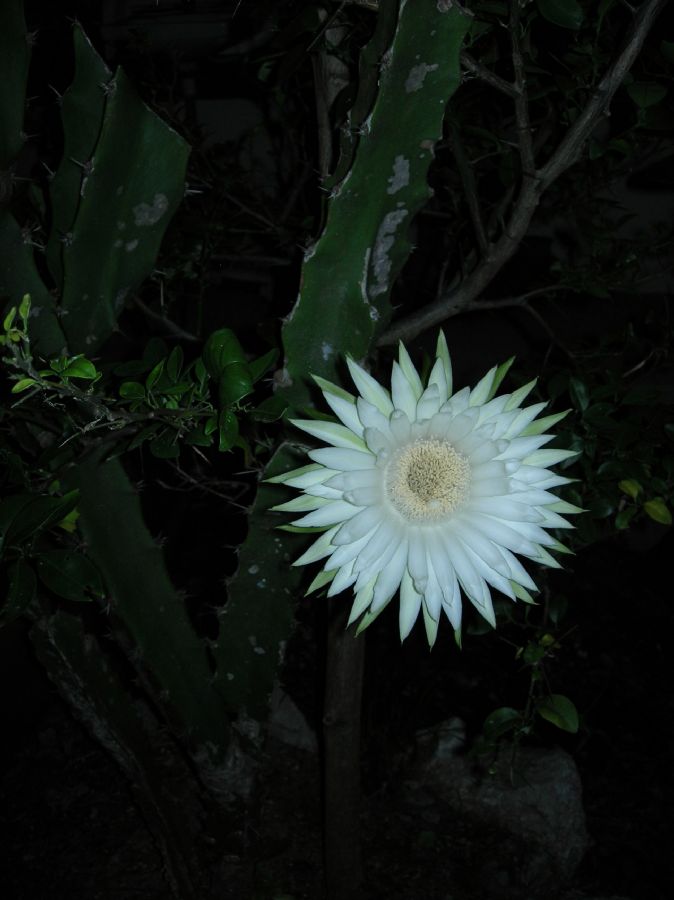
370, 416
347, 552
517, 397
482, 390
524, 418
517, 571
327, 387
300, 478
359, 526
438, 378
361, 602
442, 352
369, 388
400, 427
431, 626
342, 460
330, 432
545, 423
389, 578
358, 478
409, 370
321, 548
335, 511
342, 580
364, 496
416, 559
346, 411
429, 403
501, 534
410, 604
433, 595
402, 393
303, 503
522, 447
547, 458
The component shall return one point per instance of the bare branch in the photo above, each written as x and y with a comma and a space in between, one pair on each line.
570, 147
531, 189
521, 97
484, 74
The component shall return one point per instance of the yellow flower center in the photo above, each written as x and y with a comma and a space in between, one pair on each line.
427, 480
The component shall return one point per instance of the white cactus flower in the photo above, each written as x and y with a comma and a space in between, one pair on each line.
430, 493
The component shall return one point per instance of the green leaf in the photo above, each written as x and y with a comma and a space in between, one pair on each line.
501, 721
80, 367
154, 375
220, 350
658, 511
70, 575
228, 427
131, 390
565, 13
579, 392
23, 384
235, 383
9, 319
39, 513
646, 93
630, 487
174, 363
560, 711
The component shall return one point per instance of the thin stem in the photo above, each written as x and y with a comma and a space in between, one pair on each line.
341, 773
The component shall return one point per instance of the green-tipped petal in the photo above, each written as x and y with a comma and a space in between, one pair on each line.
321, 548
442, 352
329, 388
547, 458
303, 503
520, 395
499, 375
410, 371
320, 581
547, 422
431, 626
331, 433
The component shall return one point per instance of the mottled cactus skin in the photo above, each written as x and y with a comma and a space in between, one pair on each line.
121, 178
408, 71
119, 182
166, 649
18, 273
348, 274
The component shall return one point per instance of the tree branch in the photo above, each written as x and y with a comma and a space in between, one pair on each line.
486, 75
531, 189
521, 96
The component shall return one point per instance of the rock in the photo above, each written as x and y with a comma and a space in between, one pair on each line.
526, 821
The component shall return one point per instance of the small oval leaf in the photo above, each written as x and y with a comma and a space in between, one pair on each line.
560, 711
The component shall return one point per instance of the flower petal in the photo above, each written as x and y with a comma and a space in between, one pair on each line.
402, 393
410, 604
330, 432
339, 459
369, 388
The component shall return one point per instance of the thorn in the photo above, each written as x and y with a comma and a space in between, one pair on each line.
59, 95
31, 37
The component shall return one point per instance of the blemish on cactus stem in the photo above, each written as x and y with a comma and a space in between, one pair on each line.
381, 260
151, 213
131, 245
253, 570
401, 175
326, 351
417, 76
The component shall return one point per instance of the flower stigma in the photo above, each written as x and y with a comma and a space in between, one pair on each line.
427, 480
